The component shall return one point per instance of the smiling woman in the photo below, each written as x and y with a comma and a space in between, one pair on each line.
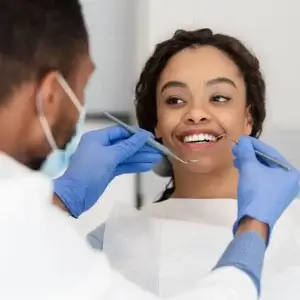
196, 87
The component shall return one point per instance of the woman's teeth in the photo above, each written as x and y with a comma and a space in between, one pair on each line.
199, 138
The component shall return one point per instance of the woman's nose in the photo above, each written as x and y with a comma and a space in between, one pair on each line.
197, 116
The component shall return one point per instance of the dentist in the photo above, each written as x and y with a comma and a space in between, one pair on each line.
45, 66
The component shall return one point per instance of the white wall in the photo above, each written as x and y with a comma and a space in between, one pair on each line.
111, 28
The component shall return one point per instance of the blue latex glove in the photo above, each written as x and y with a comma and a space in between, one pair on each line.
100, 156
265, 190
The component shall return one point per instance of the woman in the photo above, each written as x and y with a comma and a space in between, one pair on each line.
196, 87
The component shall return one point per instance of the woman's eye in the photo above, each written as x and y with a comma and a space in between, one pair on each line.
220, 98
174, 100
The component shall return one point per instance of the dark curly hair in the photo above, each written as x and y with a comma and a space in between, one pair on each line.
248, 64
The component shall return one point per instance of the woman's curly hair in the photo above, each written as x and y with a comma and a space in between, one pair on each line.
248, 64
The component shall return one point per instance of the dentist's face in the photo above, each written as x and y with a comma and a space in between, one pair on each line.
200, 94
60, 112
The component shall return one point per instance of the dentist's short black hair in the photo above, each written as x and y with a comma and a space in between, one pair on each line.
38, 36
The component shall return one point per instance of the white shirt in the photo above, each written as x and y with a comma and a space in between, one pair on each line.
43, 258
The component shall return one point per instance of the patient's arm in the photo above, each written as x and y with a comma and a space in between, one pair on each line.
96, 237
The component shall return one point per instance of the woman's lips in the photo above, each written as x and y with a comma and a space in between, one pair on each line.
199, 139
198, 134
198, 145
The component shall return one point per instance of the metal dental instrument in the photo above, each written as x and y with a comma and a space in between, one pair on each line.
163, 149
267, 157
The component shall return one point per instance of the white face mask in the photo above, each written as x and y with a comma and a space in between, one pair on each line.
57, 162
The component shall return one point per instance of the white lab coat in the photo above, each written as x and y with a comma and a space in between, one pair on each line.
168, 246
43, 258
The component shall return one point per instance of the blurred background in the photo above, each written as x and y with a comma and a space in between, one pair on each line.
123, 34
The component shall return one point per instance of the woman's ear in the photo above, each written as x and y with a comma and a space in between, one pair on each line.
248, 122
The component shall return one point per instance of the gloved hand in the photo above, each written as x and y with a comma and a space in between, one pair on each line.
265, 190
100, 156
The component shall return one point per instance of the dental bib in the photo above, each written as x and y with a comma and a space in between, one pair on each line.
168, 246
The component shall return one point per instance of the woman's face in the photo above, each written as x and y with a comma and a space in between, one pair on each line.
200, 94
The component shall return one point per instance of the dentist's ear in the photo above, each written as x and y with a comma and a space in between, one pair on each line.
50, 97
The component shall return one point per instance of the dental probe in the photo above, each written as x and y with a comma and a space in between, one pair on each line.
265, 156
163, 149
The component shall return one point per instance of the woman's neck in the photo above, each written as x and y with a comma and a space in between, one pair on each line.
220, 184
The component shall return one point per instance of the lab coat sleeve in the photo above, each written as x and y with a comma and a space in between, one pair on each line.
42, 257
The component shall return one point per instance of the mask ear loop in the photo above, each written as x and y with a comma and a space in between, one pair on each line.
70, 93
65, 86
44, 123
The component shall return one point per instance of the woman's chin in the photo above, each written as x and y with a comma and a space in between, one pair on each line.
205, 165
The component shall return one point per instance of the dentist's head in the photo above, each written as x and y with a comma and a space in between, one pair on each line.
45, 66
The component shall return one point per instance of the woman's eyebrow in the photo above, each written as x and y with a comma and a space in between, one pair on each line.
219, 80
170, 84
